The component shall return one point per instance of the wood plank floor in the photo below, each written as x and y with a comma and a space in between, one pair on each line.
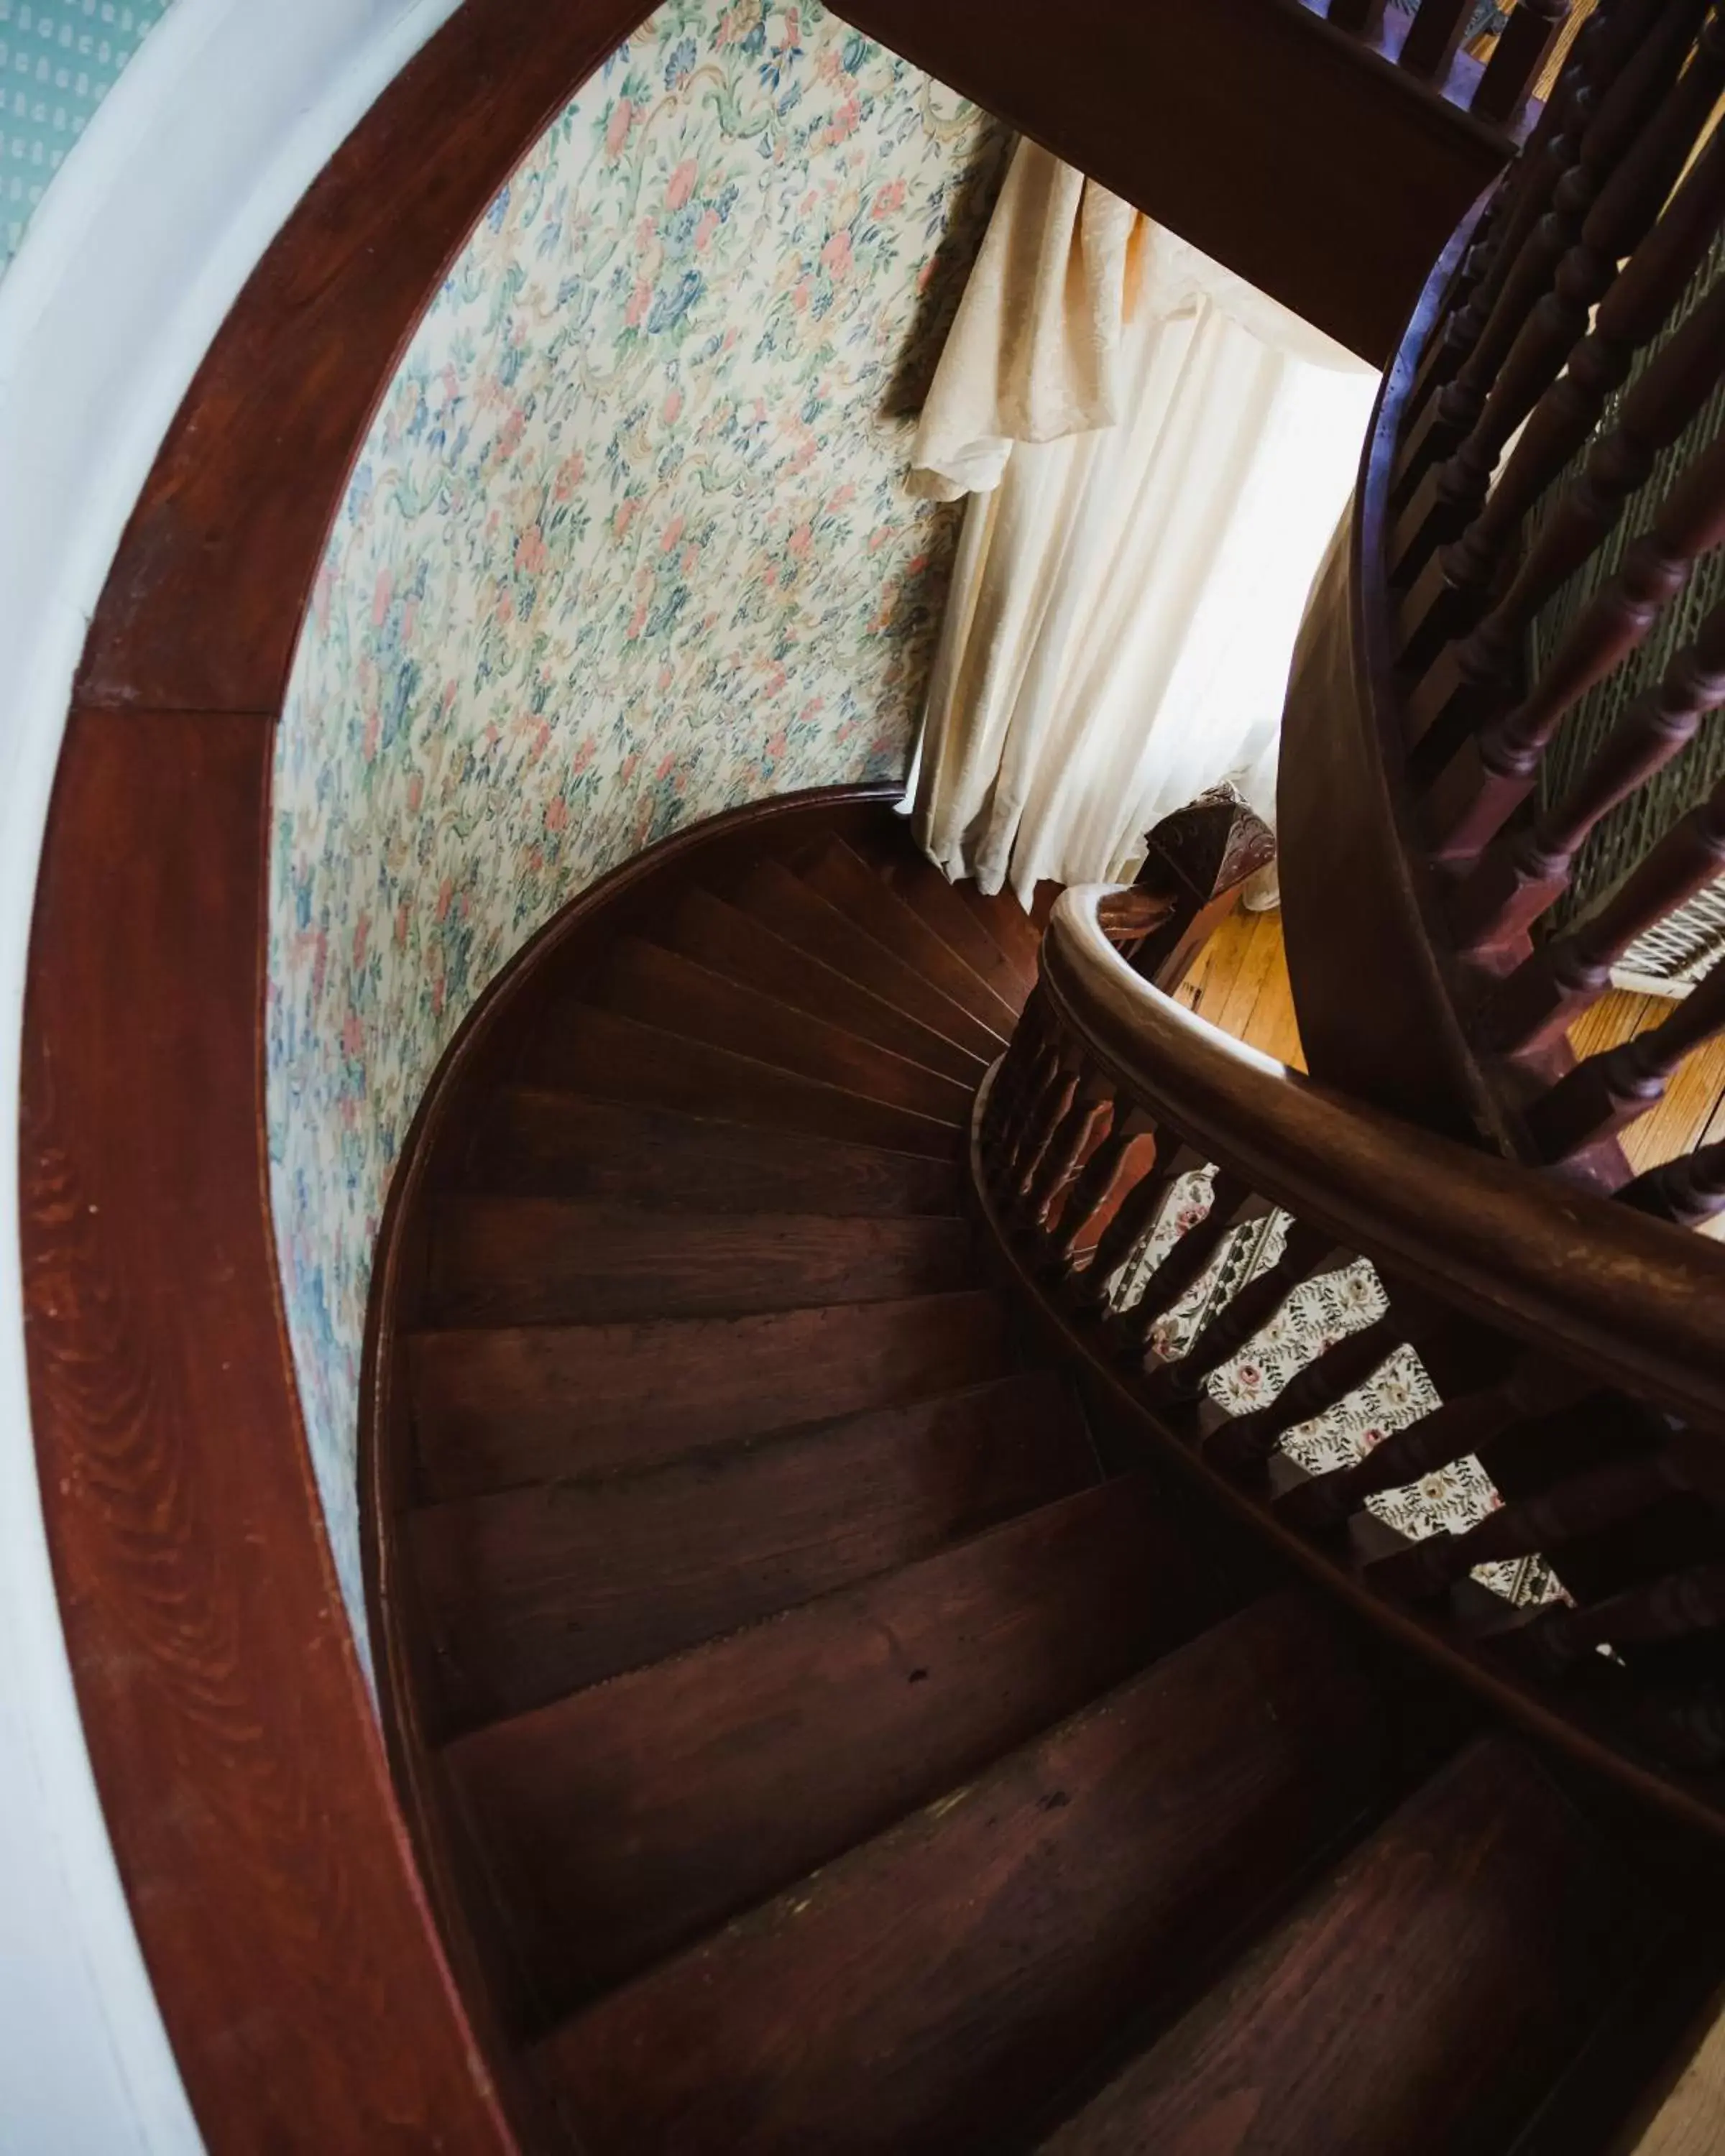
1240, 983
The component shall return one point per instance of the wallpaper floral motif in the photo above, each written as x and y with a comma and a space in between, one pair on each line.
628, 543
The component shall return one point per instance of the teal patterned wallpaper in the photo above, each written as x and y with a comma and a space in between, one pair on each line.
59, 59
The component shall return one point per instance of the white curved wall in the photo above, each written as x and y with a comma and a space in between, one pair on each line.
127, 270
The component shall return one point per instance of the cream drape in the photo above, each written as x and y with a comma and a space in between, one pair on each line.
1124, 600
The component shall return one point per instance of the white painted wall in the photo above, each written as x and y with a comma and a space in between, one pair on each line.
137, 252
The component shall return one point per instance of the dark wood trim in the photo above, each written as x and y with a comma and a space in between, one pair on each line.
245, 1782
1361, 915
272, 1883
433, 1153
1343, 176
202, 608
1672, 1794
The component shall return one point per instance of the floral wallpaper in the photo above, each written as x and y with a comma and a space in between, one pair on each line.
628, 543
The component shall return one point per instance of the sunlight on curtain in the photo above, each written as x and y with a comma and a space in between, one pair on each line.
1124, 602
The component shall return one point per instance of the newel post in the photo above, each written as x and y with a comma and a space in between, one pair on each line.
1195, 862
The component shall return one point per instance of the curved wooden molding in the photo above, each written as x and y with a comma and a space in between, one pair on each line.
272, 1884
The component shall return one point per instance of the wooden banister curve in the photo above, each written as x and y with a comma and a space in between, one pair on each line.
1570, 1342
1623, 1296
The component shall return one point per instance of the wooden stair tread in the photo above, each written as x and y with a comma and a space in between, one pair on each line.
532, 1593
616, 1057
847, 881
518, 1404
917, 883
923, 1992
1421, 2000
552, 1260
769, 893
534, 1141
627, 1819
721, 936
668, 989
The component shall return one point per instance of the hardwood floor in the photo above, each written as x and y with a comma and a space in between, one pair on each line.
1240, 983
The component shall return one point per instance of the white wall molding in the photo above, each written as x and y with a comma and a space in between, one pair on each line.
139, 247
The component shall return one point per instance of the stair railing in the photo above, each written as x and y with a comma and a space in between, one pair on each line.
1538, 632
1568, 1346
1427, 41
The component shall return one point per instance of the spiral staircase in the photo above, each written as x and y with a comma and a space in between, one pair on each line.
859, 1670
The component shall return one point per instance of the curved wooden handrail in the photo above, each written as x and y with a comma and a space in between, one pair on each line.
1575, 1345
1636, 1302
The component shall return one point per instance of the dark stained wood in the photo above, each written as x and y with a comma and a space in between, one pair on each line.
959, 921
496, 1408
550, 1262
1605, 1091
770, 895
1520, 874
730, 942
918, 1995
1298, 207
1474, 680
1520, 54
1482, 1935
272, 1888
629, 1819
537, 1142
1101, 1022
532, 1593
663, 988
845, 881
1360, 914
1449, 594
617, 1058
203, 606
1630, 194
1435, 37
1494, 773
1557, 981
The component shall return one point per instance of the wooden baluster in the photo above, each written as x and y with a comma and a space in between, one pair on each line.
1139, 1211
1628, 203
1435, 38
1619, 1085
1362, 18
1472, 681
1517, 878
1241, 1445
1184, 1265
1531, 1386
1082, 1127
1549, 990
1584, 1504
1514, 66
1687, 1191
1449, 592
1025, 1054
1493, 774
1674, 1608
1126, 1153
1625, 103
1046, 1107
1307, 1254
1524, 195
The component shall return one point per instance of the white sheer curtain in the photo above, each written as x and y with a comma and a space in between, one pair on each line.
1124, 600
